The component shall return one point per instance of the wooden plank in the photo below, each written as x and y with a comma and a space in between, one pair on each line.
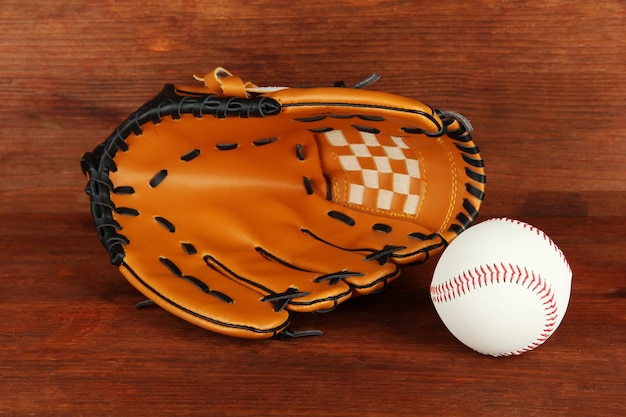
72, 343
544, 84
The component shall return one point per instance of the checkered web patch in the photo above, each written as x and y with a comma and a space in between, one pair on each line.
383, 171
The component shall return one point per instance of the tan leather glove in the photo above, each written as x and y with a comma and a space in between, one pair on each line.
230, 205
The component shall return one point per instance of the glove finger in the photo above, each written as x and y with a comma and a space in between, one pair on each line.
180, 282
379, 239
274, 283
206, 299
331, 264
281, 284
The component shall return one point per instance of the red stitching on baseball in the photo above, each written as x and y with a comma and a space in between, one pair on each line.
540, 233
484, 275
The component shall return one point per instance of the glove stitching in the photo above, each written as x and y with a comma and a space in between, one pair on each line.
191, 155
189, 248
282, 299
335, 277
300, 152
179, 307
226, 146
169, 226
454, 179
265, 141
167, 104
308, 185
158, 178
198, 283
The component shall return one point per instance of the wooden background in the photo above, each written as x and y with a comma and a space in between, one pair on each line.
544, 84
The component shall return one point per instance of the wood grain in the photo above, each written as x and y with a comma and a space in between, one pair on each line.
544, 84
72, 343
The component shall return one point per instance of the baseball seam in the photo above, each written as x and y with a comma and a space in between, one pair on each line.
491, 274
541, 234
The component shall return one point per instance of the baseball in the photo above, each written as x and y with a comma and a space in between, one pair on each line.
502, 287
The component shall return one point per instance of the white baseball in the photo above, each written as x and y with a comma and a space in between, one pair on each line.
502, 287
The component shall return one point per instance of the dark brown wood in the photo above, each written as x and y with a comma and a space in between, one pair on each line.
544, 84
72, 343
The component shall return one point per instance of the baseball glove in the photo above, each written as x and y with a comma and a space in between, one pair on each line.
231, 205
